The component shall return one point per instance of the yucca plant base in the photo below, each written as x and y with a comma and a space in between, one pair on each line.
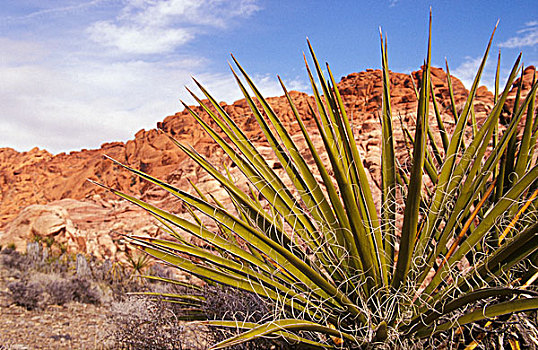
336, 271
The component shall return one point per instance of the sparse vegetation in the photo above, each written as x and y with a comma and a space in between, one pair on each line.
51, 279
154, 323
42, 282
43, 289
136, 321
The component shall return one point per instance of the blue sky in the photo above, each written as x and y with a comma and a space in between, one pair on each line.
75, 74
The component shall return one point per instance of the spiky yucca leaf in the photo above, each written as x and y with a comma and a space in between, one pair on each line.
337, 272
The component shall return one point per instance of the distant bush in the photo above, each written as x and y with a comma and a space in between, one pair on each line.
62, 291
38, 290
12, 259
223, 302
28, 295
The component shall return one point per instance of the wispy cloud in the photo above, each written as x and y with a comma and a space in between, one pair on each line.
55, 10
466, 71
151, 27
527, 36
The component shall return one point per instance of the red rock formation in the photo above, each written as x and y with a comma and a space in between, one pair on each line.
37, 177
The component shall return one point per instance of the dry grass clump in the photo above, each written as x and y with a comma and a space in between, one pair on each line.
42, 290
62, 291
140, 323
28, 295
144, 323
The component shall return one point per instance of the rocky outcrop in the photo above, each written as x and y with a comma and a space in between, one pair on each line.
526, 79
92, 226
47, 195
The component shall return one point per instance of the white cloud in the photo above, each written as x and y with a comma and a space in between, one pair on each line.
139, 40
153, 27
82, 105
79, 94
468, 69
527, 36
16, 52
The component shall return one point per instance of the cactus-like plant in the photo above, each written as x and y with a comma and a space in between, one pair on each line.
338, 271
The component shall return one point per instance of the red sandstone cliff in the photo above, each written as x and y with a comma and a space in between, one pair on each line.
85, 218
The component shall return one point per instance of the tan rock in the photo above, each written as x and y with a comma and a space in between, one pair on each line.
36, 222
49, 222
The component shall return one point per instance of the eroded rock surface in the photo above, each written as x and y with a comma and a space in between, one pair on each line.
47, 195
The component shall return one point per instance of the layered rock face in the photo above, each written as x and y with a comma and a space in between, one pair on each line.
44, 195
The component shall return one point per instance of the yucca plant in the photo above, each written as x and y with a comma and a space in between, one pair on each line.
137, 264
337, 271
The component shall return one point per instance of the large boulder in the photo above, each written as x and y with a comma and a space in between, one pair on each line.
37, 222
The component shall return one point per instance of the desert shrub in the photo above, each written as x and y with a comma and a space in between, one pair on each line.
63, 286
334, 270
42, 282
159, 270
26, 294
25, 263
153, 323
83, 291
223, 302
37, 290
12, 259
143, 324
62, 291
